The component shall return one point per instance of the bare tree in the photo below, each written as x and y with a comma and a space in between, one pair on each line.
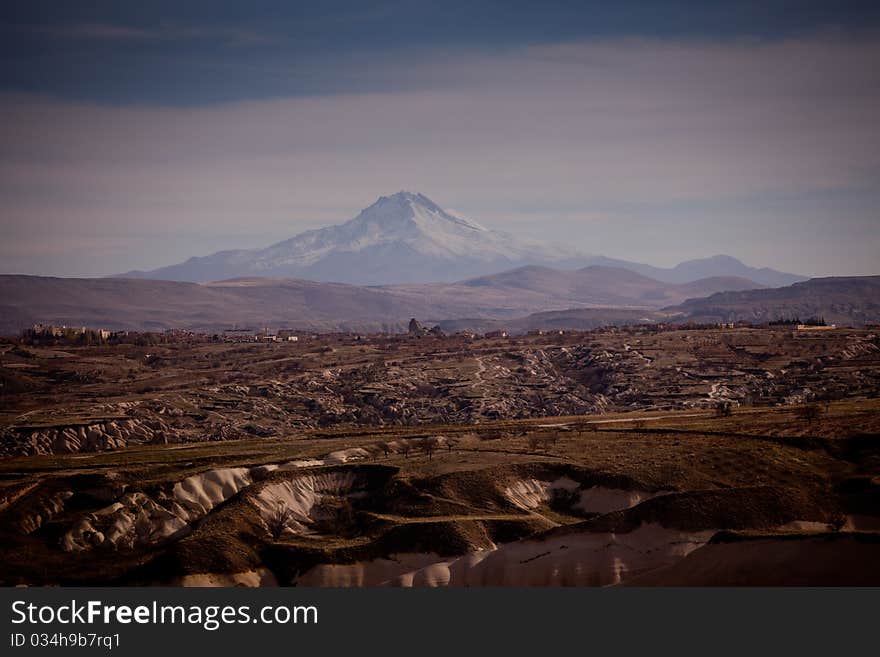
405, 448
429, 446
723, 409
810, 413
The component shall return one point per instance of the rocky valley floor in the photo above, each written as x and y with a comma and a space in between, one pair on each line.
68, 399
592, 459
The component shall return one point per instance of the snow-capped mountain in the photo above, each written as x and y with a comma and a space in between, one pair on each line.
407, 238
402, 238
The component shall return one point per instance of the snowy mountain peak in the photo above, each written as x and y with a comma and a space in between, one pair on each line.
402, 238
403, 198
408, 238
410, 209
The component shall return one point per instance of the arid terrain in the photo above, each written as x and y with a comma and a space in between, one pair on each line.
119, 303
633, 456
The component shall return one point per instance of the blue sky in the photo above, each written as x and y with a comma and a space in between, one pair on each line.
137, 134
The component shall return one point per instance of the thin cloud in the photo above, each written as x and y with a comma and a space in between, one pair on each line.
123, 33
653, 150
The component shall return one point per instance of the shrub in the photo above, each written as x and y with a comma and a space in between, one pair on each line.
336, 516
278, 520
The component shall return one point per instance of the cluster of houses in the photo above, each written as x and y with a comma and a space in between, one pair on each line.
250, 335
81, 334
84, 335
72, 333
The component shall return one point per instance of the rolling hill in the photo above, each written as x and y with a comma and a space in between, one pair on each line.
149, 304
601, 285
714, 266
518, 300
851, 300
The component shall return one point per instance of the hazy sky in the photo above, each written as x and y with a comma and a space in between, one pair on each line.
136, 135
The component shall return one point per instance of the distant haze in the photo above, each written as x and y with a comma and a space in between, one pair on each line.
590, 297
134, 140
407, 238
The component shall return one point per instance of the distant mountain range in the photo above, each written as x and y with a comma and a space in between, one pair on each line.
714, 266
150, 305
851, 300
119, 303
846, 301
406, 238
530, 297
405, 256
604, 286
